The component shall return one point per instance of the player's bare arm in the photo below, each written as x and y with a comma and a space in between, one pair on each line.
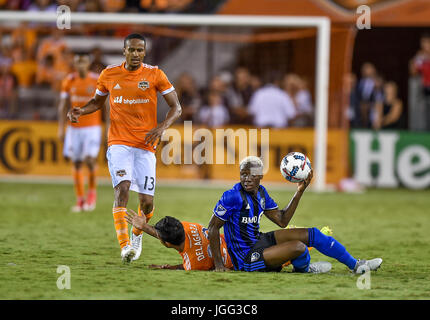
93, 105
139, 222
62, 116
167, 266
174, 113
213, 232
283, 217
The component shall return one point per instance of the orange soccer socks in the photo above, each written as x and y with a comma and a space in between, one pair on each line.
147, 215
92, 194
121, 225
78, 179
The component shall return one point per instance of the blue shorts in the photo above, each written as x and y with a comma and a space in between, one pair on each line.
254, 260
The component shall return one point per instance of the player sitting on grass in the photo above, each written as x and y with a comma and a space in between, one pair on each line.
239, 211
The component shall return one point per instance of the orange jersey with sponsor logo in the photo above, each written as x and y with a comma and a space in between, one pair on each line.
80, 91
197, 254
133, 102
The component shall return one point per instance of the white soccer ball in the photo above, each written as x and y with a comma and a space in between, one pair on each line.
295, 167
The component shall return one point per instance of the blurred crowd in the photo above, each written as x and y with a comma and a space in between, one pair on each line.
273, 100
419, 87
373, 101
154, 6
32, 68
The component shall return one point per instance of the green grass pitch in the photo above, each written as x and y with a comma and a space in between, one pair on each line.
38, 233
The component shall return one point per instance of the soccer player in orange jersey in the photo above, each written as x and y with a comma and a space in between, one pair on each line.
189, 239
133, 133
82, 139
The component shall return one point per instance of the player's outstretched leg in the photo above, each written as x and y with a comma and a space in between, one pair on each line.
119, 211
331, 247
146, 207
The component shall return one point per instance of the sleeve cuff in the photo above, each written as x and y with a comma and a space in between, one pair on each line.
219, 217
168, 90
101, 93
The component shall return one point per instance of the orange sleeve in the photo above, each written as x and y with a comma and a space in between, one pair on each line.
65, 87
163, 84
102, 89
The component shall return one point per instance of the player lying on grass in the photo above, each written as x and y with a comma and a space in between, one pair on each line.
239, 211
189, 239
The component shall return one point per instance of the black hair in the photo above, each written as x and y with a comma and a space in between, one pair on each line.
170, 230
134, 36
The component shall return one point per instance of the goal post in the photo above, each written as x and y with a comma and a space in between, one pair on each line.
322, 25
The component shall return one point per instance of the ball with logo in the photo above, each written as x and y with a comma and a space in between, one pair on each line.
295, 167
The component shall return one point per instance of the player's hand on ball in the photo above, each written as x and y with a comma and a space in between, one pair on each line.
74, 114
301, 186
135, 220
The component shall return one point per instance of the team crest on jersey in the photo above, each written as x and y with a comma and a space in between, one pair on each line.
143, 85
121, 173
255, 256
220, 210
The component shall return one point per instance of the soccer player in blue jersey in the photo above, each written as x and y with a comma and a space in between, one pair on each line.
239, 211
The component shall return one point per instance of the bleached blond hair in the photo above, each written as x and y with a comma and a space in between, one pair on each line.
253, 163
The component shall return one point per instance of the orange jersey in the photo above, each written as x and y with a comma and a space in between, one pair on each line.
133, 102
80, 91
197, 253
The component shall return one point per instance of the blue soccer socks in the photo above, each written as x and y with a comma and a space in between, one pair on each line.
330, 247
301, 263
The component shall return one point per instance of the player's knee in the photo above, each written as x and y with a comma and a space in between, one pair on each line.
146, 204
299, 247
90, 162
122, 189
77, 164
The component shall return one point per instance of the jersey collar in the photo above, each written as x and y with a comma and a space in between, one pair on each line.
135, 71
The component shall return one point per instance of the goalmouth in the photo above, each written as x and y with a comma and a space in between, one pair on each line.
322, 25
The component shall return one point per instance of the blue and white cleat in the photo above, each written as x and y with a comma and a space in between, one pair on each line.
367, 265
319, 267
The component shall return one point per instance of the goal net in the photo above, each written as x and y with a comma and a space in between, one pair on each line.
211, 60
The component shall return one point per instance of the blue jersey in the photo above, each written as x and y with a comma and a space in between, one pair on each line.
241, 212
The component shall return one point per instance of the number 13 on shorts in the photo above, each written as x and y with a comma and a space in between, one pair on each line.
132, 164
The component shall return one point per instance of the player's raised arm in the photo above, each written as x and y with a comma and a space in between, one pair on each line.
283, 217
174, 113
213, 233
93, 105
